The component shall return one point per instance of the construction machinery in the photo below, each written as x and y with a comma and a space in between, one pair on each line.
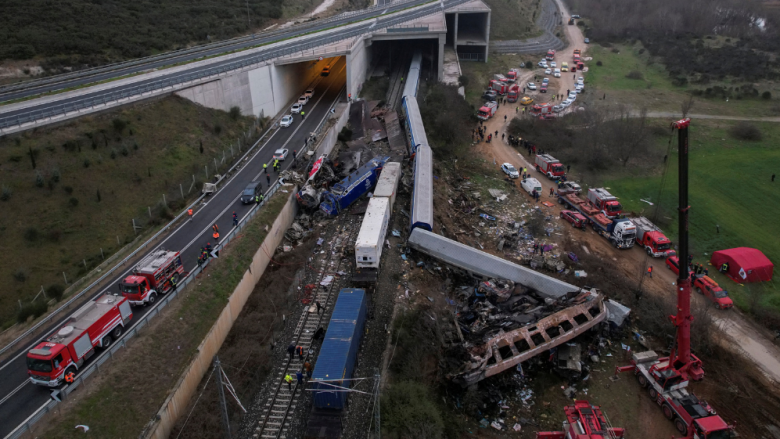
584, 421
666, 378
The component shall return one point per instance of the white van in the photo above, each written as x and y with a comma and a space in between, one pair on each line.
529, 184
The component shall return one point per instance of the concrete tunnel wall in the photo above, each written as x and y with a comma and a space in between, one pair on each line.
358, 62
265, 90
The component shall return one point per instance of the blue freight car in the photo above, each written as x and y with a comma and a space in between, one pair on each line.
357, 184
338, 354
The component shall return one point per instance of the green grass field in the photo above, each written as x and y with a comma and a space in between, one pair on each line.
514, 19
655, 89
84, 191
729, 186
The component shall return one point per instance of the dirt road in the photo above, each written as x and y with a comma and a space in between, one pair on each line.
744, 336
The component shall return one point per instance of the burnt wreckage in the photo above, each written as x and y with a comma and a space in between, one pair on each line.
501, 323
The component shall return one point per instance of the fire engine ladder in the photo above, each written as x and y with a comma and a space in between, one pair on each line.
609, 429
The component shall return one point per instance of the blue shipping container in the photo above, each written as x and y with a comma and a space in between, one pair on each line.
338, 354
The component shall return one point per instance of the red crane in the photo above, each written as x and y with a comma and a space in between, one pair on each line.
666, 378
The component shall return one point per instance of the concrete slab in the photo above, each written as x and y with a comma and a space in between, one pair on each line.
451, 67
431, 25
472, 6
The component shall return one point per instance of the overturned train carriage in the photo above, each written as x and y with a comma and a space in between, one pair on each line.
565, 312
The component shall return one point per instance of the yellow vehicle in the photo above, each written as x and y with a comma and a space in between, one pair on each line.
526, 101
564, 66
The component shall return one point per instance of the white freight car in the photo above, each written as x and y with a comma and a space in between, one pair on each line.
368, 246
387, 185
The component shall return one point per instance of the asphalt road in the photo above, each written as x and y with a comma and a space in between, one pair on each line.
19, 399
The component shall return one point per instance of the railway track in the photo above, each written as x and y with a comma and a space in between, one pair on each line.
396, 88
282, 402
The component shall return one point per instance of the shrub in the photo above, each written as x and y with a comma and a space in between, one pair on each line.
766, 95
410, 411
20, 275
642, 50
598, 63
615, 50
745, 131
55, 175
39, 181
634, 74
135, 146
464, 80
86, 163
125, 151
68, 189
113, 154
234, 112
31, 234
74, 201
6, 194
54, 235
35, 309
119, 125
217, 129
55, 291
15, 158
98, 195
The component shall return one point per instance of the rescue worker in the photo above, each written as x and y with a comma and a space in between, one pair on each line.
302, 115
268, 178
307, 367
650, 271
299, 349
265, 167
299, 376
552, 191
208, 249
402, 79
257, 199
235, 219
295, 152
319, 306
724, 268
215, 235
288, 380
189, 212
173, 283
200, 260
70, 377
291, 350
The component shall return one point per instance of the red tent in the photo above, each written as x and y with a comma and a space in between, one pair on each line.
745, 264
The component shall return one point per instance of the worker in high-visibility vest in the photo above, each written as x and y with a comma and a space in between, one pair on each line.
650, 271
70, 377
288, 379
189, 212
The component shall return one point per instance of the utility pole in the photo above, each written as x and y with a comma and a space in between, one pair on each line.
222, 402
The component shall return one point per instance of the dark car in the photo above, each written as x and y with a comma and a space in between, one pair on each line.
490, 94
576, 219
325, 71
251, 191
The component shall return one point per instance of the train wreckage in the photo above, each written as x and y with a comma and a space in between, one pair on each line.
514, 314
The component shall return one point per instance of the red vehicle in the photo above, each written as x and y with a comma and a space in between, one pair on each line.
577, 53
500, 87
543, 88
514, 93
606, 202
673, 263
549, 165
579, 65
95, 325
155, 274
542, 109
652, 238
487, 111
576, 219
584, 421
547, 116
550, 55
512, 74
711, 290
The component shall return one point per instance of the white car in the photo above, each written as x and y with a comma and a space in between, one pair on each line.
510, 170
573, 95
567, 103
579, 88
557, 73
531, 86
543, 64
545, 80
548, 72
574, 186
281, 154
296, 108
558, 108
553, 64
580, 80
309, 93
303, 100
286, 121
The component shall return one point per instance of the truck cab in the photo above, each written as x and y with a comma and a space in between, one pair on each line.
137, 290
549, 165
487, 111
511, 75
604, 201
514, 93
46, 363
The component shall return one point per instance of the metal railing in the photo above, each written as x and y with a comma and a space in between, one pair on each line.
198, 75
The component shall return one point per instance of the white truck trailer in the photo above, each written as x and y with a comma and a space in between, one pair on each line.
387, 185
370, 240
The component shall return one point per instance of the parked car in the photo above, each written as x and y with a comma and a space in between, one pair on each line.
710, 289
575, 218
490, 94
325, 71
587, 40
578, 88
548, 72
573, 95
544, 88
286, 121
296, 108
553, 64
558, 108
547, 116
545, 80
577, 16
309, 93
580, 80
510, 170
673, 263
573, 186
557, 73
281, 154
526, 101
543, 64
303, 100
531, 86
564, 66
249, 193
567, 103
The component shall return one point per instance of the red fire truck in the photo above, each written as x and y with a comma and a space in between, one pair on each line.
512, 74
606, 202
549, 166
487, 111
156, 274
95, 325
584, 421
550, 55
652, 238
514, 93
500, 87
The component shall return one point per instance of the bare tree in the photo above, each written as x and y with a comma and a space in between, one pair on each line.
628, 134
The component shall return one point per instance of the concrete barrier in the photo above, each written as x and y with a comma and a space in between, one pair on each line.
176, 404
329, 141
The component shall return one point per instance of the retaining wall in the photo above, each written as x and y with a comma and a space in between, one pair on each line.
176, 403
